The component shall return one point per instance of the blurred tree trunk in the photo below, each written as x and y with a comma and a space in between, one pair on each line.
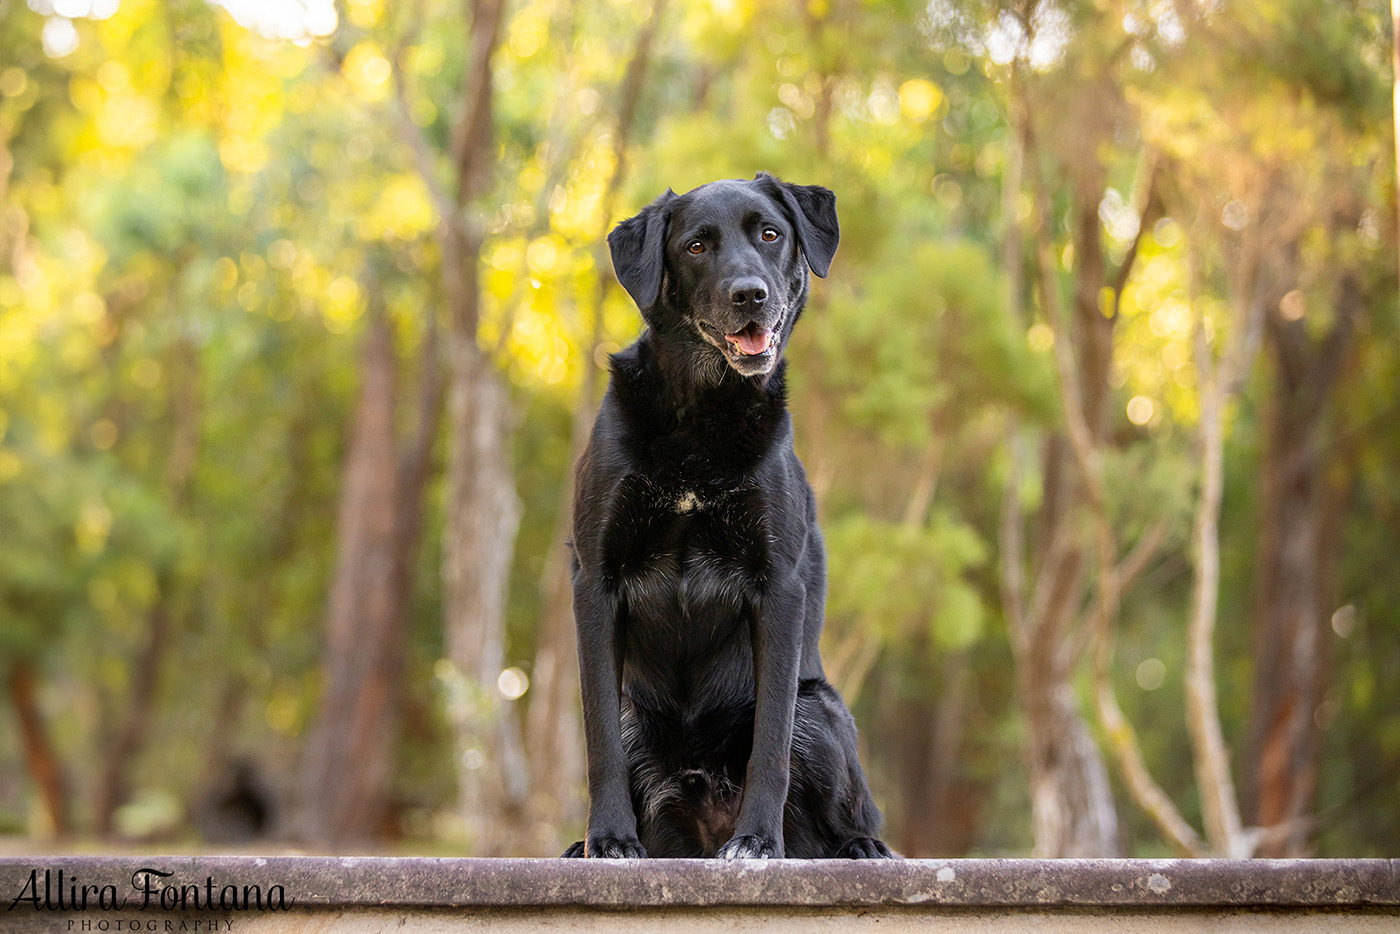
1219, 380
482, 516
1072, 805
926, 735
482, 511
348, 765
1071, 802
1294, 589
554, 734
40, 759
1071, 799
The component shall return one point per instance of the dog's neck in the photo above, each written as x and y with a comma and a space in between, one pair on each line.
696, 378
671, 414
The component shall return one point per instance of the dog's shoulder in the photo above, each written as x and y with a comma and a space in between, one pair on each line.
635, 388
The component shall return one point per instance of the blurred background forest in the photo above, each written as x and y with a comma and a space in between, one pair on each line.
304, 315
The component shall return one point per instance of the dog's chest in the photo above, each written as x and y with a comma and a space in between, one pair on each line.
678, 551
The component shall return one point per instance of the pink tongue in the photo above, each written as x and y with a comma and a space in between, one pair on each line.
751, 340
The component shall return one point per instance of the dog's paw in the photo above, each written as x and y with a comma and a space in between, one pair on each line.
864, 848
750, 846
607, 846
575, 851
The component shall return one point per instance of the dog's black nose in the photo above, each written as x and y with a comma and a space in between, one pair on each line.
748, 289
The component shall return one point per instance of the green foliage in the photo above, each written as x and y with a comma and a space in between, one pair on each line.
899, 579
926, 335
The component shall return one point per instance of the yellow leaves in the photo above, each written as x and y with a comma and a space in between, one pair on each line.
542, 255
225, 273
88, 308
365, 13
368, 72
728, 10
342, 305
531, 288
113, 77
128, 121
10, 295
254, 101
576, 215
248, 296
504, 271
528, 31
538, 346
919, 99
86, 94
424, 60
402, 211
506, 257
281, 254
1155, 356
48, 304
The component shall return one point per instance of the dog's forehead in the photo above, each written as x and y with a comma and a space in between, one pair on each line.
724, 201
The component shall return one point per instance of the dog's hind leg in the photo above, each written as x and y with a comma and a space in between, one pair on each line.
830, 811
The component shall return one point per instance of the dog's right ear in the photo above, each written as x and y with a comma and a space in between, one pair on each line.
638, 247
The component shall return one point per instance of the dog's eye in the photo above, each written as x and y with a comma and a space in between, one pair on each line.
695, 246
769, 234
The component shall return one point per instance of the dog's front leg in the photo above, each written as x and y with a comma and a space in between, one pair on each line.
777, 640
612, 824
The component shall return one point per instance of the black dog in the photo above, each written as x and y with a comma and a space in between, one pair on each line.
699, 576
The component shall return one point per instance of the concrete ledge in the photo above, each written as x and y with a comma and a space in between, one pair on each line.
367, 894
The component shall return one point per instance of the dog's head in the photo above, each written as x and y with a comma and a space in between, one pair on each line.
725, 266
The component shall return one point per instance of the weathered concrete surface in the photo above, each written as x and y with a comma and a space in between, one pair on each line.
729, 919
436, 896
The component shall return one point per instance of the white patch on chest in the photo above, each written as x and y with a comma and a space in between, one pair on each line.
687, 502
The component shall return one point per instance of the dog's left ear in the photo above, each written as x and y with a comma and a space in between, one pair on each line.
638, 247
812, 210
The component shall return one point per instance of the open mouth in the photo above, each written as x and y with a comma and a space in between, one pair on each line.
753, 341
751, 351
